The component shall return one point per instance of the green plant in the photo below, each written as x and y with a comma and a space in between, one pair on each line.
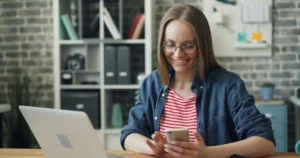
23, 88
267, 84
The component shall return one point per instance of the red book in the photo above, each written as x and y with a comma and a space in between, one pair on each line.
133, 25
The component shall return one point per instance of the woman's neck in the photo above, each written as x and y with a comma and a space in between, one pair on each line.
182, 80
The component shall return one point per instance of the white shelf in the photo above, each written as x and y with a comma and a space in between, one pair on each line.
94, 49
81, 71
84, 86
121, 86
250, 45
112, 131
79, 42
125, 41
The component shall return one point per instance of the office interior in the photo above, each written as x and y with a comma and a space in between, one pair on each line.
92, 56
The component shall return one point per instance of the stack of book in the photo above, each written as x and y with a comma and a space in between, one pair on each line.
134, 32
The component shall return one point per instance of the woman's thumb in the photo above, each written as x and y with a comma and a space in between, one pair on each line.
198, 137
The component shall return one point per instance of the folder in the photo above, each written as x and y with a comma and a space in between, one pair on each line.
110, 68
123, 60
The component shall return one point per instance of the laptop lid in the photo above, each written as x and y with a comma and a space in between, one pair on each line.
63, 133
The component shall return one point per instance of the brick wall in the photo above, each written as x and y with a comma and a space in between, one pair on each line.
283, 67
26, 40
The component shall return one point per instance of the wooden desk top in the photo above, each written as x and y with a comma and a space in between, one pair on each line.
37, 153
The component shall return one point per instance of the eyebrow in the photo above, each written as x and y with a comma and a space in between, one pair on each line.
187, 41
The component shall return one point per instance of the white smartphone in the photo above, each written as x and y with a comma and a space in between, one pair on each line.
181, 134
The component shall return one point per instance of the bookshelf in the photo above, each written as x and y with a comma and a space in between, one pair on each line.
88, 72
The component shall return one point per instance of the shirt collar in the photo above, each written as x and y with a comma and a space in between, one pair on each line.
197, 82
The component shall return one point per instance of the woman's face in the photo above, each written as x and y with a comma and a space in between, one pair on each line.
180, 47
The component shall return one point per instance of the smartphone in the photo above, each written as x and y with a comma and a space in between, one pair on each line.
181, 134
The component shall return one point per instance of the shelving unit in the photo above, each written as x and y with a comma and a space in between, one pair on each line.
91, 78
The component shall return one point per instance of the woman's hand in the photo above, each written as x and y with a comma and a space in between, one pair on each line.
184, 149
158, 146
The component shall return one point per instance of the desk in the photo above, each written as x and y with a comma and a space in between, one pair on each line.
37, 153
3, 108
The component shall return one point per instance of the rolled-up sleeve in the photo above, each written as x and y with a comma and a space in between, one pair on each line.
247, 118
137, 122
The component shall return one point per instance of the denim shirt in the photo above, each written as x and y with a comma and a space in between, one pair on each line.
226, 112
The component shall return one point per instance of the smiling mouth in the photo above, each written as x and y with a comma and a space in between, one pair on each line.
180, 61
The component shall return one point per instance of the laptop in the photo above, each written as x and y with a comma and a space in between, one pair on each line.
64, 133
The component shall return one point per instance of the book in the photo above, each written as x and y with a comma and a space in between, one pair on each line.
94, 27
68, 26
139, 28
62, 31
133, 25
111, 25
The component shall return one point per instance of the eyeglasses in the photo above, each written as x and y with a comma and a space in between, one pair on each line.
187, 47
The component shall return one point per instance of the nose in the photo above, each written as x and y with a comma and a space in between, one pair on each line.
178, 52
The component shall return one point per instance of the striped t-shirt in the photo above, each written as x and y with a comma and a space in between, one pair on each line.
179, 112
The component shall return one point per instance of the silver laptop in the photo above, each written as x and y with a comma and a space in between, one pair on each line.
64, 134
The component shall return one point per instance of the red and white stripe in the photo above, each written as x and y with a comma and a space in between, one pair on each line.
179, 112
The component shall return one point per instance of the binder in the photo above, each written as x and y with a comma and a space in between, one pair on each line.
110, 69
123, 60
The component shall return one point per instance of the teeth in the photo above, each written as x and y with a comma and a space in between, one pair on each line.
179, 61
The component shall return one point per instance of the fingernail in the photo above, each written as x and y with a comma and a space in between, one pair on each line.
165, 145
167, 150
173, 142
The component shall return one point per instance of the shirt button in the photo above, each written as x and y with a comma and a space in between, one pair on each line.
155, 118
163, 94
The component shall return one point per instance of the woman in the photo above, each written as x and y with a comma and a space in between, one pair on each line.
190, 89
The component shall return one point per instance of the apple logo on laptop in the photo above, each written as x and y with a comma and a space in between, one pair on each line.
64, 140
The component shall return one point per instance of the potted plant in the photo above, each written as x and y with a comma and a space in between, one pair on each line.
23, 88
267, 90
